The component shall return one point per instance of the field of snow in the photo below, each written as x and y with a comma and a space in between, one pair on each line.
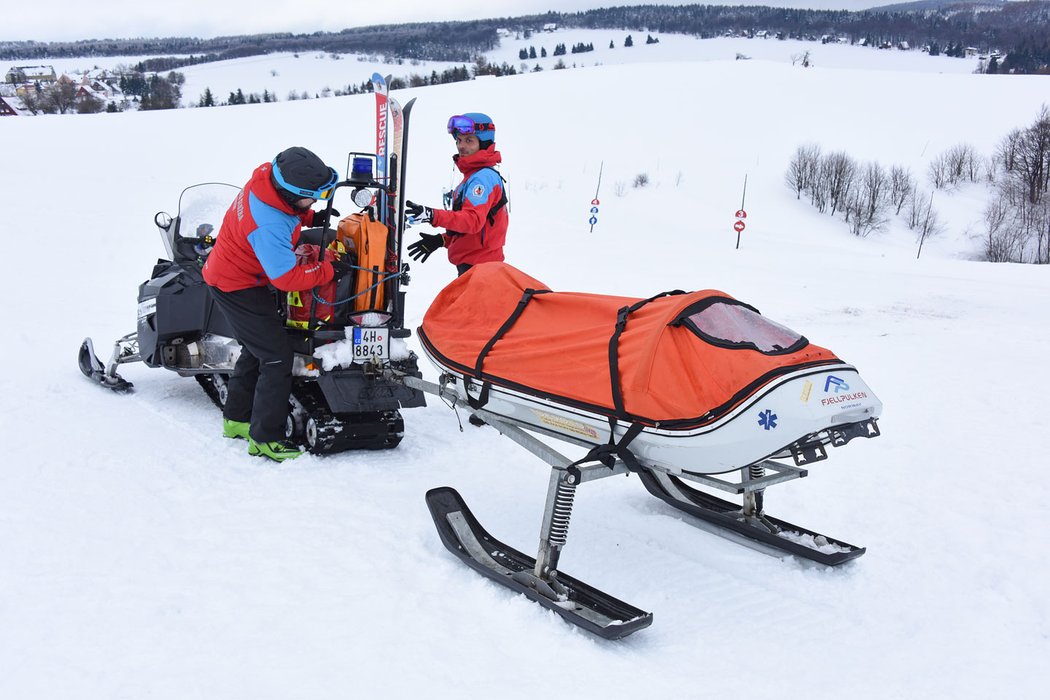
145, 556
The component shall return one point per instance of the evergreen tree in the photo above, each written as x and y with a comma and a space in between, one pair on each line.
532, 52
207, 99
543, 52
612, 44
628, 42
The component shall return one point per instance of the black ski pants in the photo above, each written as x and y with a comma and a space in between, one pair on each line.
262, 377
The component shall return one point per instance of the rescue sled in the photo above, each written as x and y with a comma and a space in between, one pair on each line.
678, 388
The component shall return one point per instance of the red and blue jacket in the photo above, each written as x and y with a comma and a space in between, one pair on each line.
476, 226
257, 240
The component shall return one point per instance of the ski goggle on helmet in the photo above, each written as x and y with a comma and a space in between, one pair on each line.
473, 123
302, 165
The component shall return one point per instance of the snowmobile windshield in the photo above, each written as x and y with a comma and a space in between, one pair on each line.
731, 324
201, 210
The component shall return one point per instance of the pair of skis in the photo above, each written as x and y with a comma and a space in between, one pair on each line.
391, 166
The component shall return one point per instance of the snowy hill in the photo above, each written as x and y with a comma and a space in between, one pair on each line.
146, 556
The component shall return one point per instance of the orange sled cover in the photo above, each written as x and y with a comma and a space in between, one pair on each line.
679, 359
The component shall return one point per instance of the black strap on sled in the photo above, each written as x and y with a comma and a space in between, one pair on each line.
608, 452
507, 325
614, 347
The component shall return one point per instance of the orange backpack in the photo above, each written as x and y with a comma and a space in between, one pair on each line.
369, 239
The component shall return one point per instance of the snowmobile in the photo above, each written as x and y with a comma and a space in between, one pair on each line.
678, 388
344, 337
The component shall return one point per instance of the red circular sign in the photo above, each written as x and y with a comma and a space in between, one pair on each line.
595, 202
741, 214
739, 226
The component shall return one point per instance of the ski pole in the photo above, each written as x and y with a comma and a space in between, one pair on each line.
741, 214
595, 202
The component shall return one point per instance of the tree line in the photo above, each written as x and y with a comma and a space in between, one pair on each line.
1021, 30
1016, 221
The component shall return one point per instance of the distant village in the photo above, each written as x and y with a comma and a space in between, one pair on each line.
38, 89
29, 90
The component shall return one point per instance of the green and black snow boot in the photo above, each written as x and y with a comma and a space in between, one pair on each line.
277, 450
237, 429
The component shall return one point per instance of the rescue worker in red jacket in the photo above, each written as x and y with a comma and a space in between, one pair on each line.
255, 248
476, 226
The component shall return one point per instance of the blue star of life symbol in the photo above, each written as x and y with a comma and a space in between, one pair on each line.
767, 419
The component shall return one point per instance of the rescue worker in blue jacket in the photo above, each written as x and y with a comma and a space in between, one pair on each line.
476, 226
255, 249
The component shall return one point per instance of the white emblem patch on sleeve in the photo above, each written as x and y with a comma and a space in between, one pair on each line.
478, 190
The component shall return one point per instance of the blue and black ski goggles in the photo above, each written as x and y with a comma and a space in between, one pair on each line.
323, 192
459, 124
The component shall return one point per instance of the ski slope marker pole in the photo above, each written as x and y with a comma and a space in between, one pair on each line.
595, 202
739, 226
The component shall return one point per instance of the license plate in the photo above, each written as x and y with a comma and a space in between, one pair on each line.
371, 343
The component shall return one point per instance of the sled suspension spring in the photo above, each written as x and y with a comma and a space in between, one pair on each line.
563, 499
755, 506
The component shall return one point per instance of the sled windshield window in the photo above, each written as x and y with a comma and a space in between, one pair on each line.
730, 324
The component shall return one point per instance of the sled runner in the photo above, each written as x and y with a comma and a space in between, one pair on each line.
681, 387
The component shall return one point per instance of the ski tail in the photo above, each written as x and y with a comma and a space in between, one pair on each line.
399, 118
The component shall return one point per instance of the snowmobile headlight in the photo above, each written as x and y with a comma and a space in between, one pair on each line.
362, 197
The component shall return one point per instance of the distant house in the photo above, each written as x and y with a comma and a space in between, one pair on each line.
550, 27
11, 106
502, 32
29, 74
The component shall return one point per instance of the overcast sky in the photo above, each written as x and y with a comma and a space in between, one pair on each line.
59, 20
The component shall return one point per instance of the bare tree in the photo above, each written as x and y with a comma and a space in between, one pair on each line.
840, 171
930, 226
996, 215
61, 97
803, 168
900, 187
939, 171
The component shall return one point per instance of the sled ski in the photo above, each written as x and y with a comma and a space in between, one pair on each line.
747, 523
580, 604
124, 350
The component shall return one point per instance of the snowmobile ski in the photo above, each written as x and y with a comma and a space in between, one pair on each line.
94, 370
575, 601
760, 531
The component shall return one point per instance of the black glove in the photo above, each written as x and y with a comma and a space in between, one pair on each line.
319, 217
427, 244
341, 267
419, 213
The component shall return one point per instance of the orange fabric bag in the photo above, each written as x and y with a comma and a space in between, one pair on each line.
369, 238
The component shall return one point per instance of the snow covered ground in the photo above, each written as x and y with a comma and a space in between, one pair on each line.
145, 556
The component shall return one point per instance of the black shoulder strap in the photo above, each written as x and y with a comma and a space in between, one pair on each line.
457, 203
